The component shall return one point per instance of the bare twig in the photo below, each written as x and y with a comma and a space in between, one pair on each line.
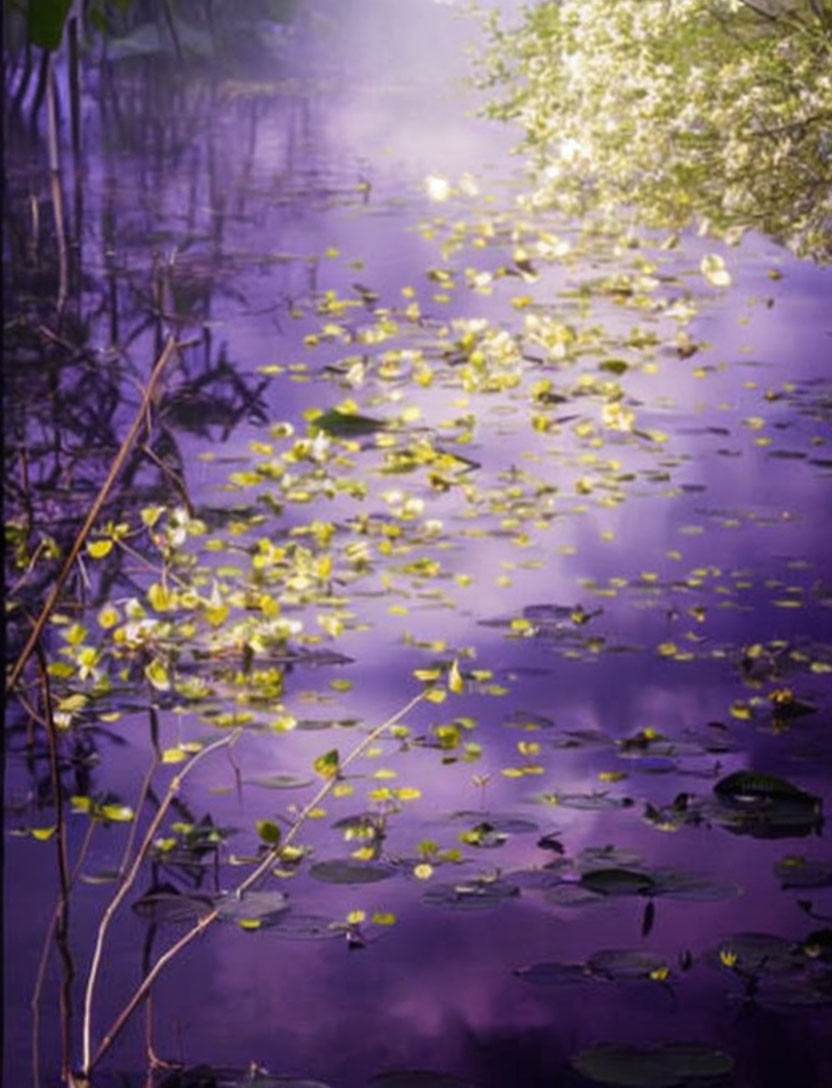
92, 516
127, 883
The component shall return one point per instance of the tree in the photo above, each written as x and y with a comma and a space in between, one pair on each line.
715, 110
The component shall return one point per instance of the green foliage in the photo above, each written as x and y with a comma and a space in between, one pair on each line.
700, 108
46, 20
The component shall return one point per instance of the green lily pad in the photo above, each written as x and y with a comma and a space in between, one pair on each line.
347, 424
663, 1066
342, 871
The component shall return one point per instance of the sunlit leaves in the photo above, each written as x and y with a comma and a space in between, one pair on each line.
328, 764
712, 267
679, 111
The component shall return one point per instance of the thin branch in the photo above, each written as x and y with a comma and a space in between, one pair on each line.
92, 516
128, 882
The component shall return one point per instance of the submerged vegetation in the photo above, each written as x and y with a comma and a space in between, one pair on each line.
475, 494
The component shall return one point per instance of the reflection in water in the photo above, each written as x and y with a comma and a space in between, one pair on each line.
642, 599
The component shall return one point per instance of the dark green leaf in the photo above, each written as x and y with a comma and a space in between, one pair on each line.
46, 21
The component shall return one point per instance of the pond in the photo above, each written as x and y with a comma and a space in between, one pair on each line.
453, 649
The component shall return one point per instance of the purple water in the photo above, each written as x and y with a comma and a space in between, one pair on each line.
641, 599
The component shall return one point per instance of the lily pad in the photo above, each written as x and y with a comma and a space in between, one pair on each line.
757, 954
504, 823
164, 904
521, 719
695, 889
282, 780
292, 926
573, 895
554, 974
796, 871
604, 857
255, 910
617, 882
470, 895
625, 963
206, 1076
342, 871
535, 879
755, 787
314, 725
663, 1066
417, 1078
589, 802
347, 424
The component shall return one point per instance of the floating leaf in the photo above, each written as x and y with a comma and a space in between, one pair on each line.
603, 857
282, 780
617, 882
753, 787
269, 832
757, 953
497, 821
206, 1076
346, 424
292, 926
677, 885
573, 896
99, 548
263, 908
327, 765
416, 1078
666, 1066
796, 871
554, 974
712, 267
164, 904
342, 871
625, 963
476, 894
